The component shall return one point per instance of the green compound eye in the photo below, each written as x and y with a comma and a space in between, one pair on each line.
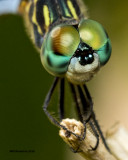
58, 47
93, 34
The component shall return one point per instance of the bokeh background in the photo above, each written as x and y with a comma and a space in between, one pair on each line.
24, 84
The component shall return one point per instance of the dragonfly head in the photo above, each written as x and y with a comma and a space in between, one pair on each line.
76, 52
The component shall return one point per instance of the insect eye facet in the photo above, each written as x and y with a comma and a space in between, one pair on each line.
93, 34
65, 40
58, 47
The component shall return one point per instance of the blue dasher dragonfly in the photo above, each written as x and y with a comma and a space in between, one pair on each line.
71, 47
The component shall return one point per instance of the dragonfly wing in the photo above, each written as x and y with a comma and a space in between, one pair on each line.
9, 6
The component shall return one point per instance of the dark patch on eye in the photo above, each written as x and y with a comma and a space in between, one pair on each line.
63, 65
49, 61
108, 48
58, 54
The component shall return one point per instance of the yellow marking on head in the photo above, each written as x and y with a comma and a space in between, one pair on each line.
46, 16
34, 20
72, 9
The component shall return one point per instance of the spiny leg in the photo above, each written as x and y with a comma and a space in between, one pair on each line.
45, 107
86, 107
96, 135
78, 109
88, 95
76, 101
87, 111
99, 130
61, 102
73, 90
47, 100
94, 118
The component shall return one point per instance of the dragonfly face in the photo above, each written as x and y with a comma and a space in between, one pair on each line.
76, 51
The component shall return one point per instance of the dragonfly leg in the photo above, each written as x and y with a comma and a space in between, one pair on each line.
96, 135
45, 107
78, 110
87, 110
61, 101
76, 101
88, 96
86, 106
94, 118
100, 132
47, 100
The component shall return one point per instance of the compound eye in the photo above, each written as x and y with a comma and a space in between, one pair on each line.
93, 34
58, 47
65, 40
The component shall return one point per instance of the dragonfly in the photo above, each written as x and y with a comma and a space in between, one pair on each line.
72, 47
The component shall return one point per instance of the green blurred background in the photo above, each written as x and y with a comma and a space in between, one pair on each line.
24, 84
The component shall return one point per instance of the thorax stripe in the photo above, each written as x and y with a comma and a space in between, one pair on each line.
72, 9
34, 19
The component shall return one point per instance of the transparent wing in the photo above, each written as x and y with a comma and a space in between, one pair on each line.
9, 6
